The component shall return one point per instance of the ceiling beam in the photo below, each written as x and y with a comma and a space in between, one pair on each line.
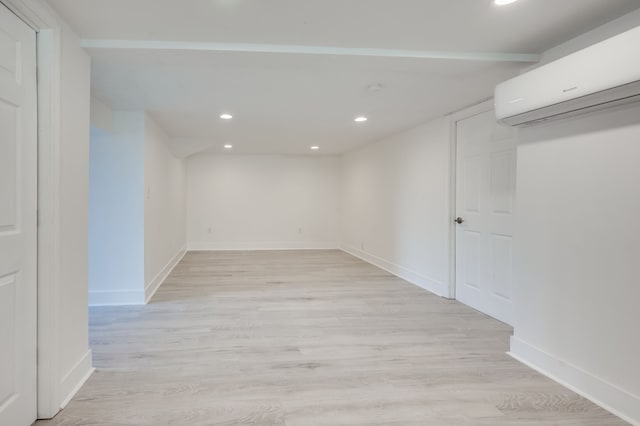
307, 50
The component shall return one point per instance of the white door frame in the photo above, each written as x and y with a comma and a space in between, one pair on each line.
44, 21
453, 119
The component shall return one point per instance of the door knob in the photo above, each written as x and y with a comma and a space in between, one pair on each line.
459, 220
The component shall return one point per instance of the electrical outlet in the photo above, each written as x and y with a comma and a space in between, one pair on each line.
210, 230
299, 230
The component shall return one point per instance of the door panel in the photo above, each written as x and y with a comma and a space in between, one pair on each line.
18, 168
7, 334
472, 258
485, 193
8, 162
9, 52
501, 255
473, 168
501, 177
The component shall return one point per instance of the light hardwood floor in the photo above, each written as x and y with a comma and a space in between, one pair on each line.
308, 338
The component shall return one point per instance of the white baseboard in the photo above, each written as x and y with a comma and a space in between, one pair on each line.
608, 396
426, 283
75, 378
116, 297
291, 245
153, 286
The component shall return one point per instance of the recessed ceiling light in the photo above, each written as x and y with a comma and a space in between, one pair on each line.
375, 87
315, 148
228, 146
503, 2
226, 116
360, 119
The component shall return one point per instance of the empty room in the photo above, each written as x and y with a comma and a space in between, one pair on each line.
319, 213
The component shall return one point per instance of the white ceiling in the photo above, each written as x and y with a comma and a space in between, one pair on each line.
295, 72
286, 103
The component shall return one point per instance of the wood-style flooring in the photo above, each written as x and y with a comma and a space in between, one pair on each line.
308, 338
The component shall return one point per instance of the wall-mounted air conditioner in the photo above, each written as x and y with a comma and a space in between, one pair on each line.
600, 76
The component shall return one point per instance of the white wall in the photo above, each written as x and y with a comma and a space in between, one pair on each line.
608, 30
64, 357
577, 245
255, 202
116, 211
101, 115
576, 256
395, 204
137, 208
164, 207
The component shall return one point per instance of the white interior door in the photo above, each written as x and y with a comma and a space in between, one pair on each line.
485, 192
18, 172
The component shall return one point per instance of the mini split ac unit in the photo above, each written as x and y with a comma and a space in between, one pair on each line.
602, 75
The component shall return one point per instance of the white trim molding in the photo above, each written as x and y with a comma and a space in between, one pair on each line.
37, 14
434, 286
76, 378
153, 286
254, 246
116, 298
307, 50
48, 42
608, 396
